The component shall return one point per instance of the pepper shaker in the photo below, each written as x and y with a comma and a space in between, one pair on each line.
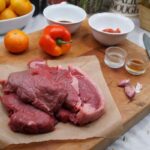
43, 4
39, 6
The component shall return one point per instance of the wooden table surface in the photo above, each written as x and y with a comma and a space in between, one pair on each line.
84, 44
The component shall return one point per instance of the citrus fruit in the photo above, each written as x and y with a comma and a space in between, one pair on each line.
16, 41
2, 5
7, 14
21, 7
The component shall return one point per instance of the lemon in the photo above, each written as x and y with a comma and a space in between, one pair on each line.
2, 5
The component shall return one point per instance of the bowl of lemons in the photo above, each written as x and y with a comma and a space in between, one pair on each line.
15, 14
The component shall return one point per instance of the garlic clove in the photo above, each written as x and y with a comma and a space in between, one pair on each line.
129, 91
124, 82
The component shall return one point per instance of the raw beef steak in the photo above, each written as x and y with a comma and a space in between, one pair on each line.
67, 94
37, 87
91, 102
25, 118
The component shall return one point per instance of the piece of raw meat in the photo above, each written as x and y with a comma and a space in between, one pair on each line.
36, 87
63, 115
68, 94
25, 118
92, 101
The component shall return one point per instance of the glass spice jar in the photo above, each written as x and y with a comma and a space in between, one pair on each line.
115, 57
136, 63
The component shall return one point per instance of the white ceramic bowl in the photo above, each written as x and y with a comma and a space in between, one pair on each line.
16, 23
101, 21
65, 12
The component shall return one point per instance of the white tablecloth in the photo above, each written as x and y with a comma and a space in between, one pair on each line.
138, 137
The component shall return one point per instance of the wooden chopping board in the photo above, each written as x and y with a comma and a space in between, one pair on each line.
84, 44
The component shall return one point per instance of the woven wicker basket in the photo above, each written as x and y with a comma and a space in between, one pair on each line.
144, 16
90, 6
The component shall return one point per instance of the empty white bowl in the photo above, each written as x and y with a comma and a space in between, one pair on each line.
16, 23
68, 15
101, 21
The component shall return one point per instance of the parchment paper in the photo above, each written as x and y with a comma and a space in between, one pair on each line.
108, 125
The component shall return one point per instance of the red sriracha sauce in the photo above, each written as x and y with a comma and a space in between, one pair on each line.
110, 30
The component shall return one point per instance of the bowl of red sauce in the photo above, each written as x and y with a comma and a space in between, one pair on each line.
110, 28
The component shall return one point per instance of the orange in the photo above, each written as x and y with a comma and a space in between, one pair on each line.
2, 5
16, 41
21, 7
7, 14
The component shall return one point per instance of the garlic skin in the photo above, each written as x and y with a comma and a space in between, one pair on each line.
138, 87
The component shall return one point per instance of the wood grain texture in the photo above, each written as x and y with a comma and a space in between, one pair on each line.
84, 44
